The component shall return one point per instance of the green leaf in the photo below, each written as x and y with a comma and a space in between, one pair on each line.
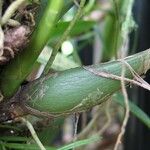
111, 37
17, 146
140, 114
80, 27
9, 127
14, 138
48, 134
80, 143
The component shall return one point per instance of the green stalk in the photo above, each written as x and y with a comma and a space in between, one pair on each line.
19, 68
78, 89
64, 36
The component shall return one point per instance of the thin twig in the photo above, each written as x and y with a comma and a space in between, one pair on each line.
10, 11
64, 36
139, 81
33, 133
77, 115
127, 110
136, 76
1, 97
1, 41
115, 77
76, 3
125, 29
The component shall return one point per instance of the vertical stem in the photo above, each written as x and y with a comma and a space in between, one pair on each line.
15, 72
64, 36
33, 133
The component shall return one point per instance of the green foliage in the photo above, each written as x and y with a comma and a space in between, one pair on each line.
22, 146
141, 115
111, 37
14, 73
80, 143
81, 27
73, 90
119, 23
17, 146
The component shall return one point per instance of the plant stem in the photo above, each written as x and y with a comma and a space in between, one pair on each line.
127, 111
64, 36
15, 72
33, 133
10, 10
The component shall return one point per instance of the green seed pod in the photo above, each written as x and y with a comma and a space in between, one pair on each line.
79, 89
